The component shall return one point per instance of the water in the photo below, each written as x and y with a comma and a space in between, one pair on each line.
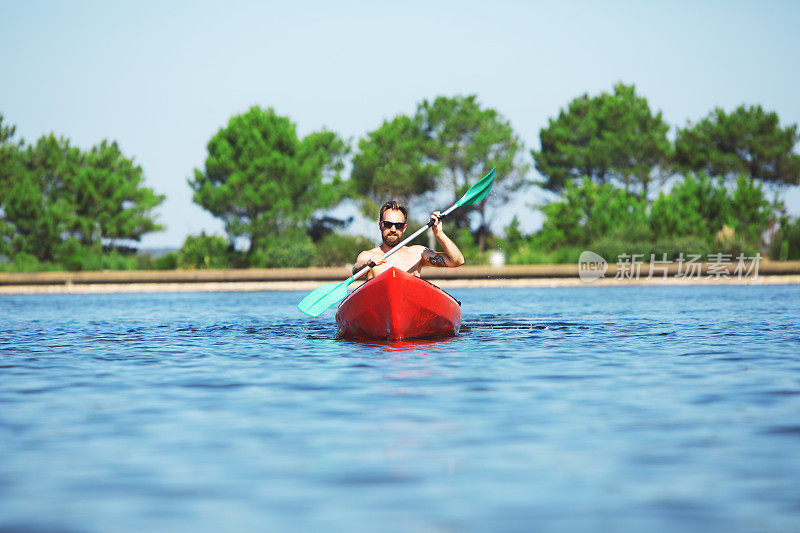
643, 409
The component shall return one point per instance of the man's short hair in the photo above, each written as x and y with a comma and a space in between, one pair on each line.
396, 206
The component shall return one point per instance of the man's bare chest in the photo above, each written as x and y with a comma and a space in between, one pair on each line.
405, 259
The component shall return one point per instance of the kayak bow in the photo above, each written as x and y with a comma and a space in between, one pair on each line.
397, 305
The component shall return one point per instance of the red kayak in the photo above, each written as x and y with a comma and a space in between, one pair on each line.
396, 305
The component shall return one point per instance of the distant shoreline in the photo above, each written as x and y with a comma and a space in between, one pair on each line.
473, 276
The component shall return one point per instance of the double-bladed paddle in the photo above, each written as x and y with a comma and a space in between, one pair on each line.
322, 298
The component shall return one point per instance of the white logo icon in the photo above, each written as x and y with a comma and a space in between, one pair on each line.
591, 266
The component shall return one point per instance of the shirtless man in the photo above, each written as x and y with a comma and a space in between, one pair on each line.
392, 223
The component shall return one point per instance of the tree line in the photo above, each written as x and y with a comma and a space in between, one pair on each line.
618, 184
63, 207
606, 155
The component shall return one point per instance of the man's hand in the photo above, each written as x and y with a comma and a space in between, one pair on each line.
437, 222
365, 259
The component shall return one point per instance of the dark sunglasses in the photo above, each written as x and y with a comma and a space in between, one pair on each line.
385, 224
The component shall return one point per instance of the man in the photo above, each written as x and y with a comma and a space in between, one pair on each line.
392, 223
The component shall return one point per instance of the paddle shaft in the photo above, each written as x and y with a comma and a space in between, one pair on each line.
405, 241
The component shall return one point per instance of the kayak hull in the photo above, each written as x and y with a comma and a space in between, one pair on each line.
396, 305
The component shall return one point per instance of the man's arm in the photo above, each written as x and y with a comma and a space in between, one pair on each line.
451, 257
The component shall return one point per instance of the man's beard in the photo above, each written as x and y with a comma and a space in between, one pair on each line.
391, 240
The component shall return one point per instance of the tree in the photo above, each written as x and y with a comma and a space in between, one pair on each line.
390, 165
9, 168
590, 211
57, 197
110, 202
702, 206
8, 150
37, 202
262, 180
465, 141
205, 251
697, 206
748, 141
611, 138
786, 241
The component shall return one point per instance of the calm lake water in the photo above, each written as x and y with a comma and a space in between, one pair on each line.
611, 409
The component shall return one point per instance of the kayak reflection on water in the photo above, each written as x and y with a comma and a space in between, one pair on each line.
423, 346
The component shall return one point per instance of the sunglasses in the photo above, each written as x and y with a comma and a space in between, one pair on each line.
385, 224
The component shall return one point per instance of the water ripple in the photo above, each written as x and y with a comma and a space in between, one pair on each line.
554, 409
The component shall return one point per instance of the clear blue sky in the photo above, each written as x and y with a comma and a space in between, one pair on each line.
161, 77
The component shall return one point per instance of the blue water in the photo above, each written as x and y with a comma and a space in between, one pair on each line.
611, 409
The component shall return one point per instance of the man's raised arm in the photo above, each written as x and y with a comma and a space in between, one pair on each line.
451, 257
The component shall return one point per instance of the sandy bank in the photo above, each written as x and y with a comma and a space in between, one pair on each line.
305, 279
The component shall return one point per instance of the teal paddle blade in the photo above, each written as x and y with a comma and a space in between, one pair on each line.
320, 299
479, 190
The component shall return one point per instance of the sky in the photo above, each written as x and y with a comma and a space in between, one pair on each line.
162, 77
